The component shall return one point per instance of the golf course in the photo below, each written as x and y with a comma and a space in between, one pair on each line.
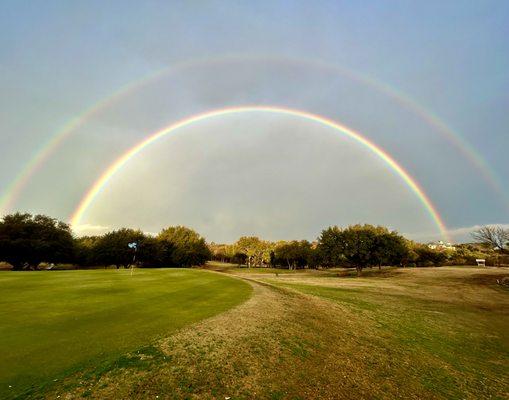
254, 200
244, 333
56, 323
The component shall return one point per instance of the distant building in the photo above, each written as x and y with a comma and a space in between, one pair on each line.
441, 245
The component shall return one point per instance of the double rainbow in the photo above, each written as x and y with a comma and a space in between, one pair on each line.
13, 191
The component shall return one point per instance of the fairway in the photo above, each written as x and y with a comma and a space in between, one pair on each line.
56, 323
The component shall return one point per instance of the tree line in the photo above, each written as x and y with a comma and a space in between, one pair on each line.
356, 246
361, 246
26, 241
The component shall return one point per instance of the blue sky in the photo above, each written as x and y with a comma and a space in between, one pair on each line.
60, 58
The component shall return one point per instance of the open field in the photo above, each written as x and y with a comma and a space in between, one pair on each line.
443, 331
395, 333
55, 323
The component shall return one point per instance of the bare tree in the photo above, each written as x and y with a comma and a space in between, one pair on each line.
492, 235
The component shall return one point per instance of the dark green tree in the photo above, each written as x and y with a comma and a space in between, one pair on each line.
330, 247
27, 240
112, 248
389, 248
85, 250
360, 246
188, 247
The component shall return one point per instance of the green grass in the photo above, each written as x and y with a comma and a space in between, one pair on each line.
456, 345
55, 323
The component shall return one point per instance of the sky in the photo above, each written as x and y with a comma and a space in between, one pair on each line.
427, 82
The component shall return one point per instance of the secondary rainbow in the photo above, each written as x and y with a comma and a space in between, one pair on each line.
103, 180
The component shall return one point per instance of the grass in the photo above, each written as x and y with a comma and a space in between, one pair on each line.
56, 323
434, 333
452, 321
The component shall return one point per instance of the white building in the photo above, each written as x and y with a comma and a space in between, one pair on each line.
441, 245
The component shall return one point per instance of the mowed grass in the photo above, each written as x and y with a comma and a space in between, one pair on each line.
55, 323
445, 329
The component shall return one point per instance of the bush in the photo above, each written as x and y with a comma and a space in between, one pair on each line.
427, 257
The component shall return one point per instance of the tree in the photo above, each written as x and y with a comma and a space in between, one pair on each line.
353, 246
222, 252
155, 253
361, 246
239, 258
188, 247
467, 253
411, 256
494, 236
30, 240
389, 248
294, 254
427, 257
358, 244
256, 251
85, 249
329, 247
112, 248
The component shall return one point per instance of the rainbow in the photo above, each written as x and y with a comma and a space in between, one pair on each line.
13, 191
108, 174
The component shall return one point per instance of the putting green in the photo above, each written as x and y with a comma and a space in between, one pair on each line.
54, 323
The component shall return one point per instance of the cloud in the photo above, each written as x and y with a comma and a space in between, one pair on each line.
457, 235
464, 232
150, 233
92, 230
89, 229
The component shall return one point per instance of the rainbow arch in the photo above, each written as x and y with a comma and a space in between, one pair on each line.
108, 174
21, 180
